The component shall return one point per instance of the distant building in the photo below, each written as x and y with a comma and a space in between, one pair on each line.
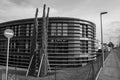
71, 42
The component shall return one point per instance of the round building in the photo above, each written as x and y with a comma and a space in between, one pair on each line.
71, 42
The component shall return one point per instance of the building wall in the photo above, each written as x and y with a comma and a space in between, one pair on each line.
68, 39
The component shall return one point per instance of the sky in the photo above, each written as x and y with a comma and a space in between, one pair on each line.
84, 9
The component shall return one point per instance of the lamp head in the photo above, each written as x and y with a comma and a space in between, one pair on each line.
103, 13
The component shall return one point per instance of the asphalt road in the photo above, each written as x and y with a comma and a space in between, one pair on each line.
111, 69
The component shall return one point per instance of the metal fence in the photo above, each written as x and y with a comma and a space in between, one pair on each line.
88, 72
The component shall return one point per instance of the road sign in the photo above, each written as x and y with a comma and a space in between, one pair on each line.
8, 33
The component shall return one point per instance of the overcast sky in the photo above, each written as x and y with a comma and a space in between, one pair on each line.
83, 9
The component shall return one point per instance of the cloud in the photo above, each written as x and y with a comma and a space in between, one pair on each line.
112, 32
12, 10
83, 9
114, 28
19, 2
16, 12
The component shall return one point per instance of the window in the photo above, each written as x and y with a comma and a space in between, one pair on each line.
27, 30
65, 30
59, 25
31, 29
65, 25
53, 25
19, 30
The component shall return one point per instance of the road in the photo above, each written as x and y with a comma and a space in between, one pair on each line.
111, 69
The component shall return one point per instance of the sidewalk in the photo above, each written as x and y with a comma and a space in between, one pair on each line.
111, 69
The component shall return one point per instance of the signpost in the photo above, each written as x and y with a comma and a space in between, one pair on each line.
9, 34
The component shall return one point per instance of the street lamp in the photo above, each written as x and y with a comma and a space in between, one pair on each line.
102, 34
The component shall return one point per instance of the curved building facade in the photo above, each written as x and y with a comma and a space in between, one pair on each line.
70, 42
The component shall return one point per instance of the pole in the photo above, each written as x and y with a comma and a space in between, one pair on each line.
102, 36
93, 71
102, 40
7, 59
15, 66
9, 34
55, 72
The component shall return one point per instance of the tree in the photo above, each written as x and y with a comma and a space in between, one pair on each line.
110, 44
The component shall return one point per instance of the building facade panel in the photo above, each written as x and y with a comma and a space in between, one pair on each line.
68, 39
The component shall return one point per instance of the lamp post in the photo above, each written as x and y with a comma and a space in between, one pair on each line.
102, 13
8, 33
